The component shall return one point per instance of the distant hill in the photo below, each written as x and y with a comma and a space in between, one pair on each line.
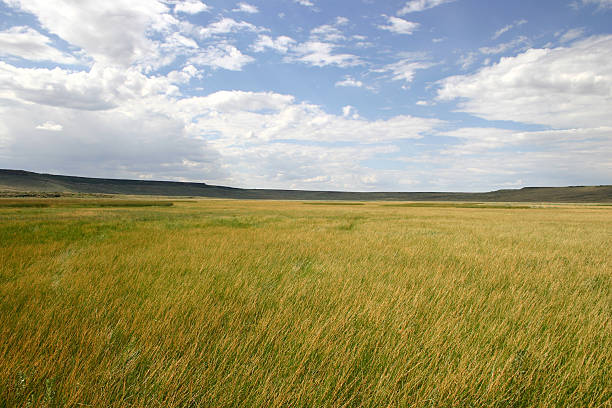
20, 181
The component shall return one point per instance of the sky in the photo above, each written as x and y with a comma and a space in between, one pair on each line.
361, 95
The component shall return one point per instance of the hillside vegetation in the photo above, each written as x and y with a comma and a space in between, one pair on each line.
18, 182
217, 303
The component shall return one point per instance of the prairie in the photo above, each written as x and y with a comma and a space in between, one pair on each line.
220, 303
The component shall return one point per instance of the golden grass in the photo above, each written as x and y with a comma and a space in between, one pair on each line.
79, 202
280, 304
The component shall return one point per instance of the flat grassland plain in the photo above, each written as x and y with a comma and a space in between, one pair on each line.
218, 303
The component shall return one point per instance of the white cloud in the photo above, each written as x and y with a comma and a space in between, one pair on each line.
477, 140
320, 49
601, 4
304, 166
420, 5
50, 126
280, 44
224, 56
225, 26
241, 120
306, 3
405, 69
111, 31
350, 111
190, 7
124, 142
349, 81
329, 32
117, 119
282, 120
341, 20
27, 43
548, 157
571, 35
236, 102
510, 158
177, 40
123, 124
278, 145
501, 48
561, 87
467, 60
399, 25
507, 28
246, 8
263, 139
501, 31
101, 88
184, 75
321, 54
326, 33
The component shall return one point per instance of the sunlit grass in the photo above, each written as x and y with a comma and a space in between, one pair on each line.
460, 205
246, 303
62, 202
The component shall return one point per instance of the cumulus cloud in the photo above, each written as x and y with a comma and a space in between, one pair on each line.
399, 25
116, 118
478, 140
303, 166
112, 31
50, 126
27, 43
306, 3
548, 157
224, 56
349, 81
280, 44
420, 5
320, 48
246, 8
350, 111
561, 87
115, 143
321, 54
101, 88
227, 25
282, 121
329, 32
236, 102
259, 139
190, 7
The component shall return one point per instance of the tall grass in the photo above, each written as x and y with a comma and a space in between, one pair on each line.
78, 202
242, 303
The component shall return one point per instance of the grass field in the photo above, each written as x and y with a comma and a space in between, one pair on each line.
284, 304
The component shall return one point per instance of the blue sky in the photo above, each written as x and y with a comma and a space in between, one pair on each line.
417, 95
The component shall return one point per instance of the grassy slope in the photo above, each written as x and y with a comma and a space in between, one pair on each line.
16, 180
243, 303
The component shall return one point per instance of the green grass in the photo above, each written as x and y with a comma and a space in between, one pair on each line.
332, 203
459, 205
274, 304
80, 203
